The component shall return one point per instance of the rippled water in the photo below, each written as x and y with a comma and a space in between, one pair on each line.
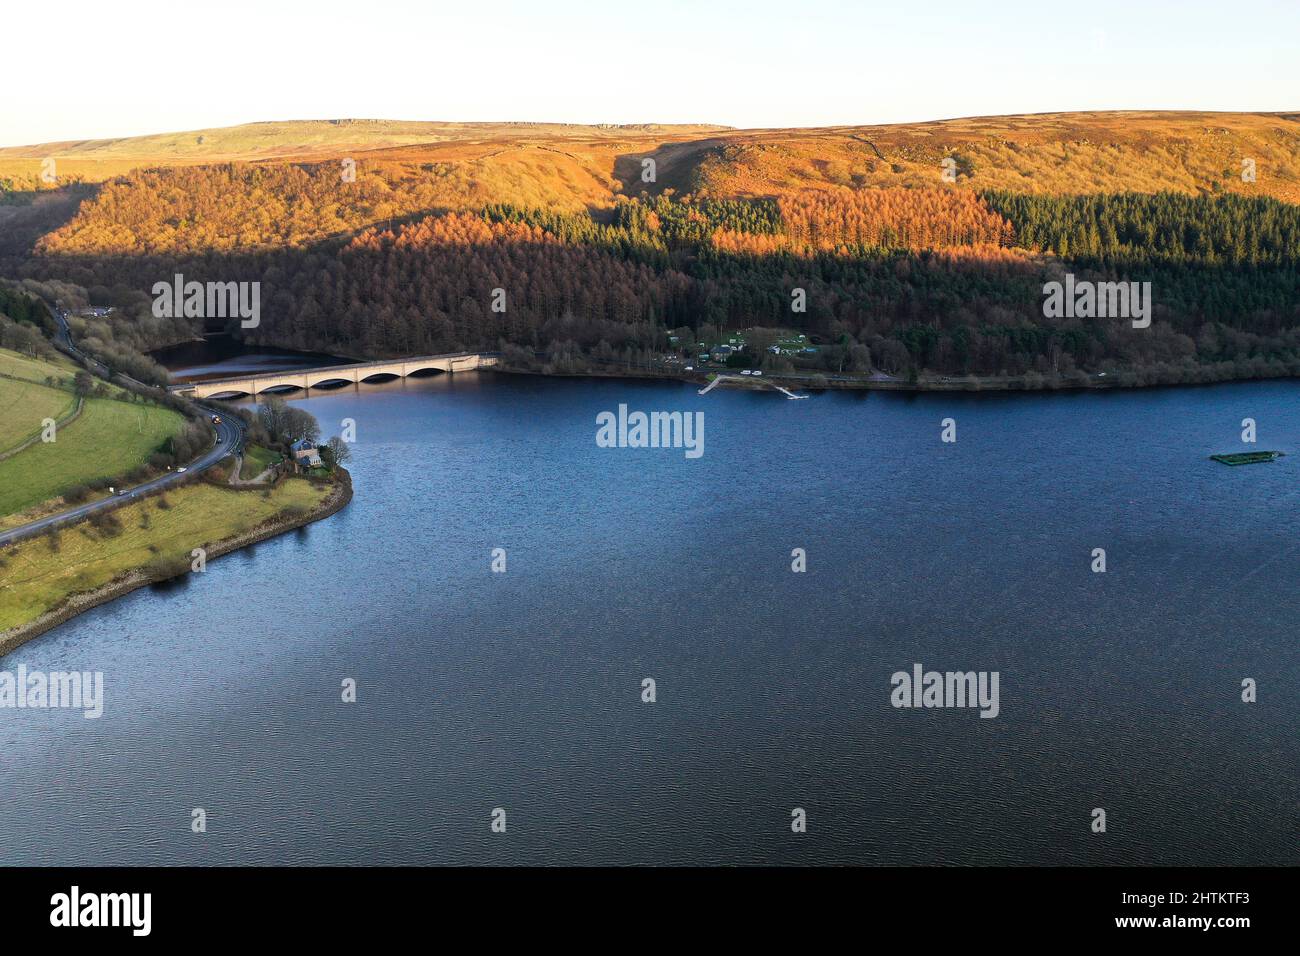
523, 690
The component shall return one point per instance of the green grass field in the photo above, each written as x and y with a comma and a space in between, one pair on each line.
109, 438
24, 405
256, 460
35, 578
35, 370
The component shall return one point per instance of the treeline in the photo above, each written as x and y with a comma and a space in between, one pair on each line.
120, 340
648, 228
25, 338
122, 358
1138, 230
22, 307
695, 221
431, 286
24, 324
1231, 260
888, 219
903, 280
279, 423
241, 206
861, 223
19, 190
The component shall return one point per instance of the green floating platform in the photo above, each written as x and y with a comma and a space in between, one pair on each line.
1248, 457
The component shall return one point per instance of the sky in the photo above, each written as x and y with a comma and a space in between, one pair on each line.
85, 69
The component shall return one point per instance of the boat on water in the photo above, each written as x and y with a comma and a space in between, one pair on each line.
1247, 457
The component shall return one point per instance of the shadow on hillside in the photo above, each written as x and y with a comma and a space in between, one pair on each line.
674, 166
26, 215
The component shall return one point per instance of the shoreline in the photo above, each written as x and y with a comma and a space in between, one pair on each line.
75, 604
1008, 385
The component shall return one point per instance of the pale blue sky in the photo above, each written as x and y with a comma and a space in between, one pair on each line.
90, 68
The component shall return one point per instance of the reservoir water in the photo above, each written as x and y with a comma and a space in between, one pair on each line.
222, 356
523, 690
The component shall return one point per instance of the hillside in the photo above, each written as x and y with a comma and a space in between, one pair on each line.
317, 138
317, 141
1061, 152
921, 247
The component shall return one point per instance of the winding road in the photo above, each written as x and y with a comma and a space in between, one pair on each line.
229, 437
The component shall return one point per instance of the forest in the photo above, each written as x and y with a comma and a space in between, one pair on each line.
942, 280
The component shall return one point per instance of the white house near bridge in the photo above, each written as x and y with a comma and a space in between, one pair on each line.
306, 454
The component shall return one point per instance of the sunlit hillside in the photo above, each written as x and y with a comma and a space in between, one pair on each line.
1076, 152
305, 140
407, 169
298, 138
921, 247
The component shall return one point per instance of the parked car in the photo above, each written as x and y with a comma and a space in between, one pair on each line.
180, 471
758, 371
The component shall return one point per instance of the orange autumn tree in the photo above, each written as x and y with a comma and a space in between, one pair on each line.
911, 219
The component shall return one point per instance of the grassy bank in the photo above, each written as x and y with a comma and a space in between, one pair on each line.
24, 405
29, 369
143, 541
108, 438
111, 436
257, 459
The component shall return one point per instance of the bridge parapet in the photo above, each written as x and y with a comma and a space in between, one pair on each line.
306, 379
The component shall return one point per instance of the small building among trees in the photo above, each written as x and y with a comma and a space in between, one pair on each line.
306, 454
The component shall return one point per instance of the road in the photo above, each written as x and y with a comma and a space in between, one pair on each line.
64, 338
229, 439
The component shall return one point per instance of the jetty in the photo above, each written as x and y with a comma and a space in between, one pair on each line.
718, 380
1247, 457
